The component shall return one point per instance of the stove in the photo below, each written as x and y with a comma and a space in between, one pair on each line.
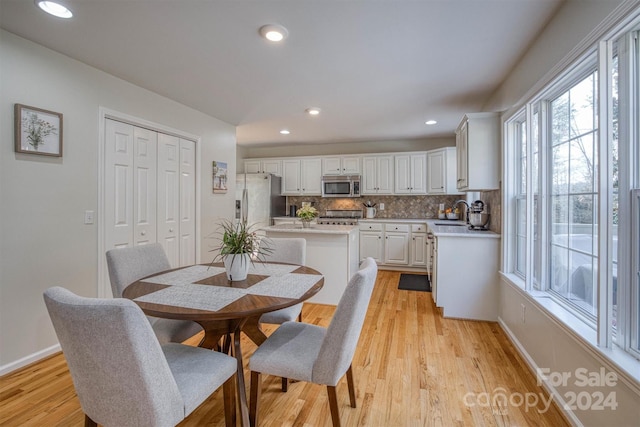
340, 217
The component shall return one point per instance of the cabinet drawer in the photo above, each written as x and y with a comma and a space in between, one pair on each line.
364, 226
401, 228
418, 228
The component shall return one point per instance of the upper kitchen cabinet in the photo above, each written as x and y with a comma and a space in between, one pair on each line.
377, 175
301, 177
410, 175
478, 152
442, 171
346, 165
273, 166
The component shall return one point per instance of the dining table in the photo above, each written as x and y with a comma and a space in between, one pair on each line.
225, 309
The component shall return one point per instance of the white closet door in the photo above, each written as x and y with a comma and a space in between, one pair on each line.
187, 202
118, 215
144, 185
168, 196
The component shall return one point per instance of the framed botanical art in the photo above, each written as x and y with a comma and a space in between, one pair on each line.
38, 131
219, 175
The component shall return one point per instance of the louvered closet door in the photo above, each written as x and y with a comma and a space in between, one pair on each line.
187, 202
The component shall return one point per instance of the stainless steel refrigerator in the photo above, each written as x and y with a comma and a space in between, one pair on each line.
258, 198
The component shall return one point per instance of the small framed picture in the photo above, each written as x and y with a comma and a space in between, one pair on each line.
219, 175
38, 131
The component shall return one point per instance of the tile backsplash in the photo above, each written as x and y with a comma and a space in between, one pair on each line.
405, 206
394, 206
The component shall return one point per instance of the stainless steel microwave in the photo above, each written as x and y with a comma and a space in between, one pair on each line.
341, 186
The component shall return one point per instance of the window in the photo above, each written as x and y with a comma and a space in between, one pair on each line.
575, 237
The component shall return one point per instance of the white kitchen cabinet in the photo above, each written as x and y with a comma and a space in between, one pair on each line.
410, 174
377, 175
442, 171
478, 152
273, 166
396, 244
346, 165
418, 246
301, 177
371, 241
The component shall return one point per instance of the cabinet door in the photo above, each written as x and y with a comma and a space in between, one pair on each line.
462, 153
252, 166
371, 245
291, 176
402, 174
369, 175
385, 175
272, 166
351, 165
331, 166
311, 176
396, 248
436, 172
418, 174
419, 249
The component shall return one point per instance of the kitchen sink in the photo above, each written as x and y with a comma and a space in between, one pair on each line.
448, 224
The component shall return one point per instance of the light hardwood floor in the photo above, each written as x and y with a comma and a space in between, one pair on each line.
412, 368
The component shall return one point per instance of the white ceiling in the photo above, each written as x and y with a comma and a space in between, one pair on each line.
377, 69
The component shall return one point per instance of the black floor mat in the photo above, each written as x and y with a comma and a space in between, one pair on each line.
414, 282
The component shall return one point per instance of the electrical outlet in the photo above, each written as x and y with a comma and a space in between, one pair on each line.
381, 206
523, 309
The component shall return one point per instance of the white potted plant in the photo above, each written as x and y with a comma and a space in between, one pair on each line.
239, 247
306, 215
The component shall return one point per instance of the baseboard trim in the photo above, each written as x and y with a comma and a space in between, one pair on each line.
533, 366
27, 360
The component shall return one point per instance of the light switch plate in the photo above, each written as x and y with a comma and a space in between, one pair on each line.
88, 217
381, 206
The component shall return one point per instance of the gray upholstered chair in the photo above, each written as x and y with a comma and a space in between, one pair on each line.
126, 265
121, 373
291, 251
312, 353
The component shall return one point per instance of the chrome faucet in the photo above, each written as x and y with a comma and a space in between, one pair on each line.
466, 204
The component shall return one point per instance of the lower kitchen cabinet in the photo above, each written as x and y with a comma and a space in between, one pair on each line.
371, 241
464, 278
395, 244
418, 245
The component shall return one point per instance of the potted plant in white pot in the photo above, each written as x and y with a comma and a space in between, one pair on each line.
307, 214
239, 247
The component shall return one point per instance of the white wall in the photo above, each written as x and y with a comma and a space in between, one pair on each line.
44, 241
544, 342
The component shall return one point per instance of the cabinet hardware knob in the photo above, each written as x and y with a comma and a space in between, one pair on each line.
171, 230
143, 233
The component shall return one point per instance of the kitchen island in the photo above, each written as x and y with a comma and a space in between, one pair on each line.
333, 250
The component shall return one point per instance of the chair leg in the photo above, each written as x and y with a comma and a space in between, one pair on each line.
333, 405
254, 400
300, 316
229, 395
88, 422
352, 389
285, 384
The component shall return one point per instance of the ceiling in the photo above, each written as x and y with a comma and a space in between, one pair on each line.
377, 69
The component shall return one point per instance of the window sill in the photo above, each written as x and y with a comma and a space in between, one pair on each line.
625, 365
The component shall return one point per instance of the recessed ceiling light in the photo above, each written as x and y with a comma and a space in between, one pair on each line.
274, 32
313, 111
55, 9
431, 122
285, 132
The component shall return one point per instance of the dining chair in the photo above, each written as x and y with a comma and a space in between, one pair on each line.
127, 265
291, 251
122, 375
311, 353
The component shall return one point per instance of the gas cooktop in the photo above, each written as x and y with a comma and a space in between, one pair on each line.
340, 217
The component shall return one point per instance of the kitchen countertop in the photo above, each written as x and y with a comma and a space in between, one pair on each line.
396, 220
314, 229
457, 229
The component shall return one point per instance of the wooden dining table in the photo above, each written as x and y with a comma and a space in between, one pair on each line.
203, 293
